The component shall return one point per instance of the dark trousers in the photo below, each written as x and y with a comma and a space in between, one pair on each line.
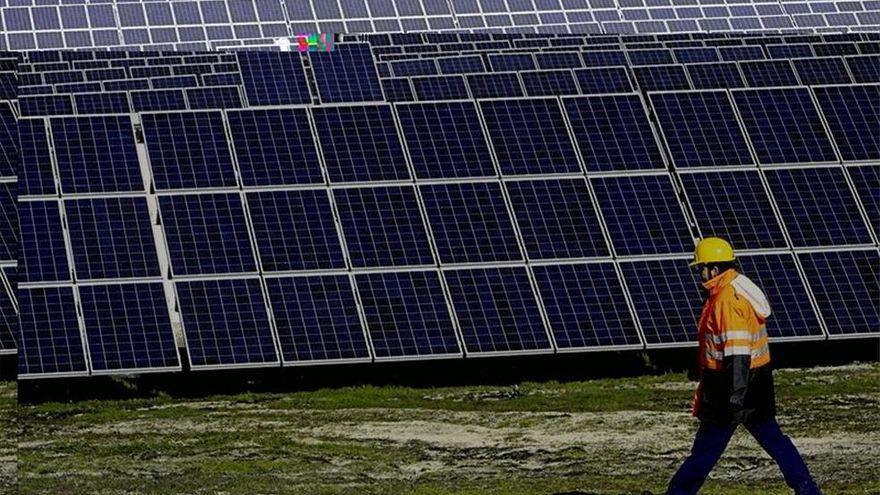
710, 442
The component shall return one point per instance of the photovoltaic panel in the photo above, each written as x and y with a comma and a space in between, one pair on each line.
347, 74
866, 180
407, 315
8, 323
188, 150
112, 238
817, 207
49, 339
557, 219
585, 305
559, 60
639, 227
784, 125
317, 318
274, 147
497, 310
225, 323
734, 205
470, 222
213, 98
206, 234
529, 136
549, 82
512, 62
603, 80
397, 89
128, 327
769, 73
847, 287
831, 70
274, 78
295, 230
864, 69
360, 143
667, 299
43, 255
422, 67
650, 57
445, 140
662, 78
701, 129
604, 58
696, 55
715, 76
38, 106
777, 276
461, 64
158, 100
613, 133
432, 88
91, 103
495, 85
853, 116
383, 226
96, 154
8, 222
8, 141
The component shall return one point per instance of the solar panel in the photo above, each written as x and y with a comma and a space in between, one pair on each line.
667, 299
49, 339
8, 222
9, 155
853, 116
213, 98
829, 70
817, 207
360, 143
557, 219
662, 78
445, 140
43, 254
317, 319
701, 129
604, 58
406, 315
157, 100
603, 80
225, 323
37, 106
613, 133
383, 226
206, 234
866, 180
847, 287
273, 78
266, 142
8, 323
769, 73
864, 69
470, 222
695, 55
432, 88
529, 136
461, 65
495, 85
586, 306
558, 60
784, 126
96, 154
549, 82
722, 75
497, 310
512, 62
424, 67
128, 327
91, 103
347, 74
188, 150
639, 227
397, 89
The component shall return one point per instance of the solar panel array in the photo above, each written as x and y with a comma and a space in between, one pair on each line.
326, 218
10, 156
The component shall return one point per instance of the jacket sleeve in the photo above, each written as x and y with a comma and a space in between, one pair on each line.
733, 319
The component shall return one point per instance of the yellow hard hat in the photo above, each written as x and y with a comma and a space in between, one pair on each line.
712, 250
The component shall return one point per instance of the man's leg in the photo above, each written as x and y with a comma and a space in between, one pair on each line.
780, 448
709, 444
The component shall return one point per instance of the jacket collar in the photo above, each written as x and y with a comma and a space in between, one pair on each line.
720, 281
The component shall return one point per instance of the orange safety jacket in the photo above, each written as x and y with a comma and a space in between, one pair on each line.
733, 350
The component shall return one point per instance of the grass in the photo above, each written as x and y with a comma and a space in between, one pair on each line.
600, 436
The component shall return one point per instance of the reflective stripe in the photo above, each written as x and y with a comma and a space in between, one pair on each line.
738, 350
738, 334
711, 354
764, 349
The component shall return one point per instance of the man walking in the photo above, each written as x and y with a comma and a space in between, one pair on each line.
736, 383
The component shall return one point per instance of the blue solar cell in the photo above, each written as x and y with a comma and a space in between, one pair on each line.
91, 103
662, 78
470, 222
49, 339
225, 323
96, 154
360, 143
158, 100
529, 136
500, 85
188, 150
847, 287
461, 64
701, 129
383, 226
639, 227
817, 207
715, 76
813, 71
43, 257
557, 219
667, 299
213, 97
585, 305
734, 205
613, 133
769, 73
38, 106
9, 154
559, 60
317, 318
784, 125
853, 116
406, 314
604, 58
267, 142
112, 238
206, 234
603, 80
445, 140
432, 88
128, 327
864, 69
397, 89
512, 62
347, 74
295, 230
549, 82
497, 310
273, 78
866, 180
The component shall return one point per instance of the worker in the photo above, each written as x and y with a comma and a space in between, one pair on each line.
736, 383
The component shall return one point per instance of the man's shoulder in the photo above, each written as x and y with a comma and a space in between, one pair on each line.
744, 289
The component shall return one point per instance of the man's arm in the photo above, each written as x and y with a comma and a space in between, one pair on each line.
737, 349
